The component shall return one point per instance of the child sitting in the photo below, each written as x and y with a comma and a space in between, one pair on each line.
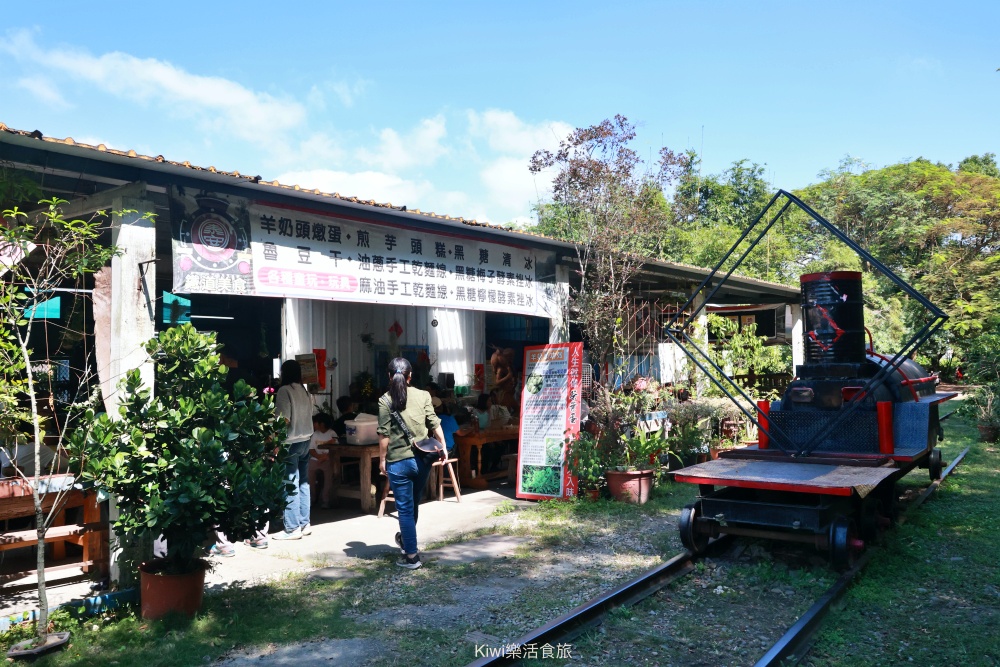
323, 434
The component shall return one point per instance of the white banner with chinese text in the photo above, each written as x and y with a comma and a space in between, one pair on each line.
229, 245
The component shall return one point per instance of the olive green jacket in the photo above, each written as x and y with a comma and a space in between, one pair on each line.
419, 417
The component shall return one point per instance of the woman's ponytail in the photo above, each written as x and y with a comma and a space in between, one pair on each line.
399, 375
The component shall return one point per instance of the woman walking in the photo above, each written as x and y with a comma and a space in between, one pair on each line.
405, 416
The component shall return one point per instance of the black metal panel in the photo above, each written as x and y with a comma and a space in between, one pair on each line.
809, 517
833, 309
859, 435
911, 427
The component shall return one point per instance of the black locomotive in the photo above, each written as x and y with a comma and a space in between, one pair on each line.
829, 453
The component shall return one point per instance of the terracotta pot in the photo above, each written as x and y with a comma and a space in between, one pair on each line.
592, 494
161, 594
630, 486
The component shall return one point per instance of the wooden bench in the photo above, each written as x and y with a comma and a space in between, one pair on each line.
89, 533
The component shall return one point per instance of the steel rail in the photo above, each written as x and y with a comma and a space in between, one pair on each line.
591, 613
796, 642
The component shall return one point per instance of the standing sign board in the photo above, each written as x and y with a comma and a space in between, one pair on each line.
550, 413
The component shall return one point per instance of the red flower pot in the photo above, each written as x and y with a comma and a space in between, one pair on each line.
630, 486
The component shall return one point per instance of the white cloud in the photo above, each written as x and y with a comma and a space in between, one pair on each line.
506, 133
45, 91
422, 146
349, 92
380, 187
345, 91
222, 105
510, 185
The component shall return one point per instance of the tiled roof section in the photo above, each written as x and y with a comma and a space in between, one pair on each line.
69, 141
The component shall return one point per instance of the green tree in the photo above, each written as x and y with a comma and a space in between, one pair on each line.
41, 251
191, 459
611, 204
713, 211
985, 164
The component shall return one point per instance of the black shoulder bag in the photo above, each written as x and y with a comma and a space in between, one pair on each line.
428, 450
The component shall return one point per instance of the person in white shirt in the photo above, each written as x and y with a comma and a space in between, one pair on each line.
294, 402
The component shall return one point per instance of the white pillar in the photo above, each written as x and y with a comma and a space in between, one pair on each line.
133, 291
133, 322
798, 340
702, 340
559, 316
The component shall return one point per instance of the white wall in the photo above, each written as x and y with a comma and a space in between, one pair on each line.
456, 343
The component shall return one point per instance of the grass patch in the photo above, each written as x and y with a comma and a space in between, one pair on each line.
932, 595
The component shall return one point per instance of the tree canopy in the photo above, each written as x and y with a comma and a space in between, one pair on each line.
935, 225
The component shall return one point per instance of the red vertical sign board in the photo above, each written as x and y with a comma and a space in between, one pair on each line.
550, 414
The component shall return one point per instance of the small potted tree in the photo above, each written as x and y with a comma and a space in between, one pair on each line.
983, 407
586, 460
193, 460
630, 478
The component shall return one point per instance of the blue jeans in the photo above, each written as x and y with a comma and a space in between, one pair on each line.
297, 472
407, 479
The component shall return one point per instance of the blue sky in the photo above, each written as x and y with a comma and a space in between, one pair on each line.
440, 105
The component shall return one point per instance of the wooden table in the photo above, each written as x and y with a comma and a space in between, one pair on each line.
465, 443
334, 468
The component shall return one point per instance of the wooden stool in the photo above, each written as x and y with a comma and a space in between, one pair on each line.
386, 495
451, 481
510, 465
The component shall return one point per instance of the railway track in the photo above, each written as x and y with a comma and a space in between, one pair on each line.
788, 650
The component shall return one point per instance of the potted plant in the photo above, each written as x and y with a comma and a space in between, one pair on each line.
192, 460
585, 460
718, 445
983, 407
689, 431
631, 476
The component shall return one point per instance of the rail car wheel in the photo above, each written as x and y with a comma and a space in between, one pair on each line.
934, 464
844, 543
692, 540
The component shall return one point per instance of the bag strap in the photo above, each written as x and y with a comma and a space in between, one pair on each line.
402, 425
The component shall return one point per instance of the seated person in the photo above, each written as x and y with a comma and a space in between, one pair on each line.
499, 414
323, 434
448, 423
348, 409
483, 411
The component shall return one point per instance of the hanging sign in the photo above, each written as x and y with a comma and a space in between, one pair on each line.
550, 413
230, 245
309, 367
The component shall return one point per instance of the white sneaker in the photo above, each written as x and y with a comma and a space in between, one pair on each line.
307, 529
285, 535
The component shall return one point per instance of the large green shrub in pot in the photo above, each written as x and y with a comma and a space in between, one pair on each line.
191, 459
